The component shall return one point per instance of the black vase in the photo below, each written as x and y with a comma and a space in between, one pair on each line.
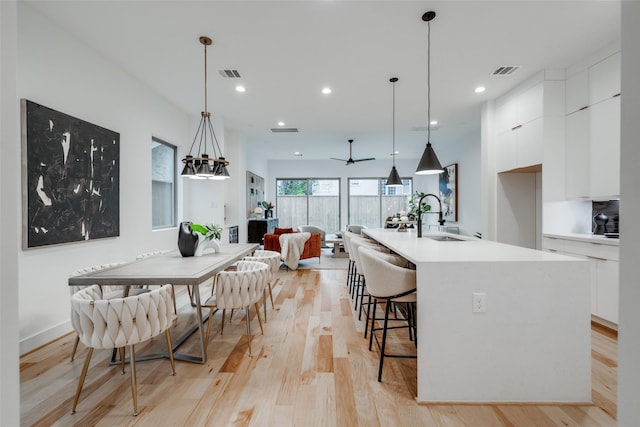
187, 239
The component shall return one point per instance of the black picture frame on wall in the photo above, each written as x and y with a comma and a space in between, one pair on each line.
70, 178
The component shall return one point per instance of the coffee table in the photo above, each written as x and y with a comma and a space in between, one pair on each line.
337, 245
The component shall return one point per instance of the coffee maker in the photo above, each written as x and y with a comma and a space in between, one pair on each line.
600, 220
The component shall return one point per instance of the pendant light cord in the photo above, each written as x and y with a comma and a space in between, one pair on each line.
393, 126
428, 81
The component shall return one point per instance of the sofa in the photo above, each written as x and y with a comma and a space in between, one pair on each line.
311, 247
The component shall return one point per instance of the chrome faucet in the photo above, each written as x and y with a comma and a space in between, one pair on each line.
440, 219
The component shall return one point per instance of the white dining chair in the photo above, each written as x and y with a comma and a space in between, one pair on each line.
273, 260
240, 288
118, 323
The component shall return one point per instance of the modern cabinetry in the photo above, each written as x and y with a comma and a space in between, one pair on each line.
604, 262
525, 121
519, 129
257, 228
592, 156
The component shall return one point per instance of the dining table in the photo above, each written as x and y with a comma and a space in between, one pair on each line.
172, 268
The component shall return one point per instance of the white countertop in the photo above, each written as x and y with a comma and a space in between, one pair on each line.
470, 249
591, 238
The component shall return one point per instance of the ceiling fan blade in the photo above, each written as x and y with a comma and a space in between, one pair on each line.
334, 158
365, 160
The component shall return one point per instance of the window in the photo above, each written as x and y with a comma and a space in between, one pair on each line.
309, 201
163, 180
370, 202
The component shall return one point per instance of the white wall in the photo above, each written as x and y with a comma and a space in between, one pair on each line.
629, 324
9, 217
60, 72
466, 153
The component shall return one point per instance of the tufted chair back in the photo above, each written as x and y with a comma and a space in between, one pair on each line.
108, 291
120, 322
242, 287
271, 258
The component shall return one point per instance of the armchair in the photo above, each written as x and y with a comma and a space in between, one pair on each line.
314, 229
311, 247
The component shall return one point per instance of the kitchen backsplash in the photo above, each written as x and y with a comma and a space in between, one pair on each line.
609, 208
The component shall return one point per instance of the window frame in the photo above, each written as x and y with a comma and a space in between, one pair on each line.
174, 214
380, 184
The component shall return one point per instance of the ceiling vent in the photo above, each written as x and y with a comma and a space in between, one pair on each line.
280, 130
229, 74
505, 70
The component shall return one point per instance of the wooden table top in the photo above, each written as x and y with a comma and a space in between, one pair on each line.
169, 267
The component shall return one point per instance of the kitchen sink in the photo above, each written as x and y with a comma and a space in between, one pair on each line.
445, 238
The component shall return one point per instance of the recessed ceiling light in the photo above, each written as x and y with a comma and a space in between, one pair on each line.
480, 89
326, 90
433, 122
297, 153
280, 123
240, 88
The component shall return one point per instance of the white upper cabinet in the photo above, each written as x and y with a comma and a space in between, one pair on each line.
604, 79
520, 126
605, 148
577, 92
529, 105
592, 156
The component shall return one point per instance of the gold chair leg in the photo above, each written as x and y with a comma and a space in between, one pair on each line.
122, 358
167, 334
271, 297
224, 311
83, 375
134, 385
231, 315
173, 298
249, 328
75, 347
258, 315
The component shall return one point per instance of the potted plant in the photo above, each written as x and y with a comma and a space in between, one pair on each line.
413, 205
268, 209
206, 236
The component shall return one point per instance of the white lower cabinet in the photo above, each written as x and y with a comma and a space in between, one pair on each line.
603, 260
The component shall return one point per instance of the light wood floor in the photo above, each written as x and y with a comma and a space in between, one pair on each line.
311, 367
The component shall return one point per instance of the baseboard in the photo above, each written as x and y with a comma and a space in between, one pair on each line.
41, 338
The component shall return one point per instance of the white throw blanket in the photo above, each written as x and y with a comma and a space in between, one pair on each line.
292, 246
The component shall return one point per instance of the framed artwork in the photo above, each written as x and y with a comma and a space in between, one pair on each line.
255, 192
70, 178
448, 189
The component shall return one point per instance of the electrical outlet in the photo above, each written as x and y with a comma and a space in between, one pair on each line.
479, 302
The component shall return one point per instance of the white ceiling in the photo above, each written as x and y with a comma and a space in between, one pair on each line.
286, 51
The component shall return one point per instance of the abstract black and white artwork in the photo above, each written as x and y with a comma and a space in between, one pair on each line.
448, 189
70, 178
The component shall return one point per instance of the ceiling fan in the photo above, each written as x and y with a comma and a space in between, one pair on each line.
350, 160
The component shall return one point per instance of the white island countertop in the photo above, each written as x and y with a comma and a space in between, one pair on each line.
469, 249
532, 342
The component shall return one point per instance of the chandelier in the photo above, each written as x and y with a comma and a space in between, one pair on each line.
201, 166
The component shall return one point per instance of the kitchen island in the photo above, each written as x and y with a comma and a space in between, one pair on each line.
497, 323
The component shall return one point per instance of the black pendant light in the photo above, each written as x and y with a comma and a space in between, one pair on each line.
202, 166
429, 163
394, 178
